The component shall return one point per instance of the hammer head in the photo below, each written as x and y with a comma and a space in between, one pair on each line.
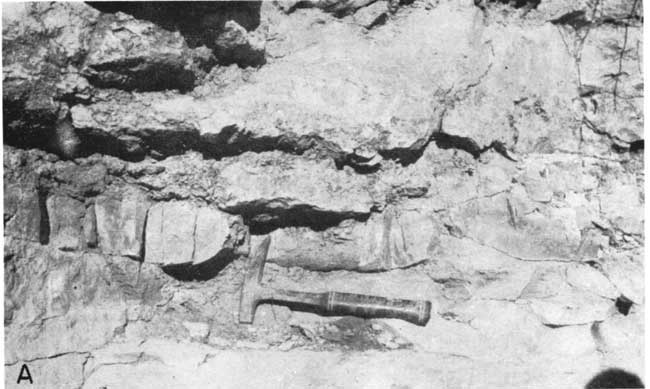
250, 291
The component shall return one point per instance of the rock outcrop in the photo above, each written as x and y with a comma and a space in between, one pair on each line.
486, 156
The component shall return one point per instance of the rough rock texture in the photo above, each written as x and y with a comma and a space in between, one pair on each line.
120, 222
484, 155
129, 54
178, 233
394, 239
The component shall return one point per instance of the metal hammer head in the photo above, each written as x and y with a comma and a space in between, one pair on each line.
250, 291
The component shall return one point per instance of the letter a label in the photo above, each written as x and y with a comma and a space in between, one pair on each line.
24, 375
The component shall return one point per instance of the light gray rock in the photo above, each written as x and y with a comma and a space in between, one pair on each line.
65, 216
169, 234
68, 304
197, 330
622, 206
557, 303
625, 271
588, 279
65, 372
543, 233
22, 212
120, 223
392, 240
372, 14
326, 369
273, 183
182, 233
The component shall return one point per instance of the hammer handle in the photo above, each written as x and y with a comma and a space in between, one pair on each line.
339, 303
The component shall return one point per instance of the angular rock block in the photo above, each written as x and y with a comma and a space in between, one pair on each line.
622, 206
280, 185
557, 302
22, 212
65, 217
129, 54
388, 241
120, 223
180, 233
538, 234
236, 45
373, 14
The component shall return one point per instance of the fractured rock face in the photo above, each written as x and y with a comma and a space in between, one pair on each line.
392, 240
120, 223
486, 161
22, 212
337, 7
181, 233
129, 54
374, 14
272, 184
236, 45
536, 234
621, 205
65, 216
63, 372
550, 296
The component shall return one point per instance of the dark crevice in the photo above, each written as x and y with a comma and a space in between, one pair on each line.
406, 155
202, 272
159, 76
530, 4
228, 142
25, 123
633, 147
554, 326
200, 22
446, 141
380, 21
98, 141
263, 217
343, 160
188, 17
614, 378
575, 19
617, 144
44, 227
232, 141
623, 304
637, 146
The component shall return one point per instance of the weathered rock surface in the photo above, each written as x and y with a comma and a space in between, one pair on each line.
130, 54
22, 211
120, 223
395, 239
65, 215
372, 15
65, 372
484, 156
239, 46
179, 233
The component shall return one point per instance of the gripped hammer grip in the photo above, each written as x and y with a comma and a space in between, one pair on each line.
416, 312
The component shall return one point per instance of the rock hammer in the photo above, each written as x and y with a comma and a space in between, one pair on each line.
325, 303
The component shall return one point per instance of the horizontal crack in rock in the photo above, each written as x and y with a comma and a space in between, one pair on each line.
265, 216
